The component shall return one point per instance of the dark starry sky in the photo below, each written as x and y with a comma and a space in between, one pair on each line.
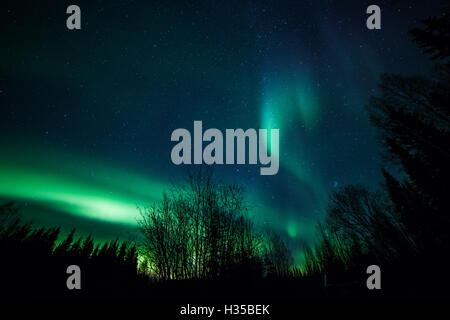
87, 115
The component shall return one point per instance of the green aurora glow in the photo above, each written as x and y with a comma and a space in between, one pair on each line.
106, 193
287, 104
57, 181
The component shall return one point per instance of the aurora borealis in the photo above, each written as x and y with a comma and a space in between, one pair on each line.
87, 115
75, 191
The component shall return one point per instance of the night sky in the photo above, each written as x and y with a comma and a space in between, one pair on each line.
86, 115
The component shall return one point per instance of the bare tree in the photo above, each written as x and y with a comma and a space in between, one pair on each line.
199, 230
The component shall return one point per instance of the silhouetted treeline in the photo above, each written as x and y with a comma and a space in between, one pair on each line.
197, 241
33, 262
404, 228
